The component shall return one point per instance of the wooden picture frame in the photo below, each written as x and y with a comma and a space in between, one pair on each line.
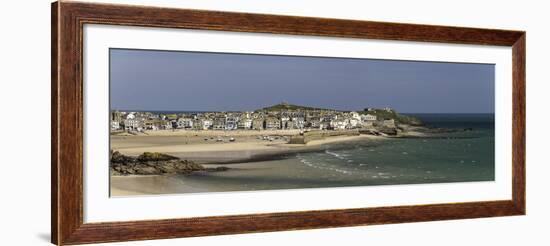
68, 19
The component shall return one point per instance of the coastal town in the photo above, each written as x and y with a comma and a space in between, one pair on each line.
150, 143
282, 116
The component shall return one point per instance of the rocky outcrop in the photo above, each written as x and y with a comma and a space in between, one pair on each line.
150, 164
390, 131
381, 131
441, 130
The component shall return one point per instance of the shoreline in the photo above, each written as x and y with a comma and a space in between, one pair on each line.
267, 167
241, 151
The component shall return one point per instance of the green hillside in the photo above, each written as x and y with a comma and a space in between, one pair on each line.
292, 107
392, 114
381, 114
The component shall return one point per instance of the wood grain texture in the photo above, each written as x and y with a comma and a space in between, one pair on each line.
68, 19
54, 125
67, 165
157, 229
260, 23
518, 123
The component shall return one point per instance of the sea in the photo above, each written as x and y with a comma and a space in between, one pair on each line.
466, 154
456, 156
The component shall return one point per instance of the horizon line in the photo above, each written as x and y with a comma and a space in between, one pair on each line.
212, 111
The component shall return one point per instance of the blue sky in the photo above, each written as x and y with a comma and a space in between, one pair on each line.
195, 81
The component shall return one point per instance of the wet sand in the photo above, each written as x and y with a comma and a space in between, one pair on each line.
261, 175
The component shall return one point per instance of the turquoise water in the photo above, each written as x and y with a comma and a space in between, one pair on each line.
443, 157
459, 156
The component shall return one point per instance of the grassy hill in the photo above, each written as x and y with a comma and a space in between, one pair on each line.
392, 114
380, 113
293, 107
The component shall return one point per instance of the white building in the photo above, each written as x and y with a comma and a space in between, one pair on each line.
355, 115
272, 123
206, 124
115, 125
368, 117
298, 122
131, 125
353, 122
231, 123
167, 125
185, 123
339, 124
219, 123
245, 123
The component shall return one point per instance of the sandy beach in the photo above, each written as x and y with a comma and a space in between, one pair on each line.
333, 161
248, 156
255, 175
204, 146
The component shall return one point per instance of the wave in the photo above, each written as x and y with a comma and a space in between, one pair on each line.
323, 166
339, 156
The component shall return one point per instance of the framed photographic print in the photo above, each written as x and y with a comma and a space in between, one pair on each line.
176, 123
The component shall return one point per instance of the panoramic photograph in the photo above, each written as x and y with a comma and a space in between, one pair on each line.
194, 122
